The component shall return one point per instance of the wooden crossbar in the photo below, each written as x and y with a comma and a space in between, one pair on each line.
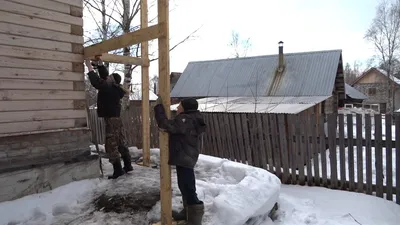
132, 38
122, 59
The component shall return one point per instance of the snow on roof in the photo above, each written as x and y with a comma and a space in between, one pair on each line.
354, 93
287, 105
395, 79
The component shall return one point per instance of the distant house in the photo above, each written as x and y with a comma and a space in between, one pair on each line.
174, 77
375, 84
353, 96
316, 77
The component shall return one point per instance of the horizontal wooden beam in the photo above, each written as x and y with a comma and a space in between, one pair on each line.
122, 59
124, 40
27, 116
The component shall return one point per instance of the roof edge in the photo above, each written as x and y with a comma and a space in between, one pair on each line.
274, 55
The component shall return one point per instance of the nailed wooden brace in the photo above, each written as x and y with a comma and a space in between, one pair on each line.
132, 38
127, 60
144, 48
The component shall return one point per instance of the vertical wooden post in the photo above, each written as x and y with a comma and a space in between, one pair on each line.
145, 86
164, 84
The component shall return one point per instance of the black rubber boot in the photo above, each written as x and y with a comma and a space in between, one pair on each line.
118, 171
195, 214
127, 163
182, 215
126, 157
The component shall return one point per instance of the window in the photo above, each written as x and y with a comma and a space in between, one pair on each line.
371, 91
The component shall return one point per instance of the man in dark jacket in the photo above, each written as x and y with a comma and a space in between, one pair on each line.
110, 93
184, 132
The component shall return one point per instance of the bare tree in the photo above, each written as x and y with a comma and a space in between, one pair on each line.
102, 34
384, 33
395, 67
122, 19
351, 73
239, 46
153, 84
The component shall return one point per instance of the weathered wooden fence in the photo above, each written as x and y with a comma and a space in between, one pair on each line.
352, 152
349, 152
132, 120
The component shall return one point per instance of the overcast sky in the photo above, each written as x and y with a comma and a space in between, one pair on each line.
303, 25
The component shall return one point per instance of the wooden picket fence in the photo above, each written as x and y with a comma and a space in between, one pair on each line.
353, 152
335, 151
132, 120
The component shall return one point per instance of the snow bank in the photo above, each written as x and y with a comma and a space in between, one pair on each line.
321, 206
232, 192
246, 192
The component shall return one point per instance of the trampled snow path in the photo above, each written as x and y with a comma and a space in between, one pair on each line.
232, 192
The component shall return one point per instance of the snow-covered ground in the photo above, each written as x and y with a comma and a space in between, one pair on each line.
233, 193
321, 206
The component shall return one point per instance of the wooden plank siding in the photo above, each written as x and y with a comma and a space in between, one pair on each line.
41, 63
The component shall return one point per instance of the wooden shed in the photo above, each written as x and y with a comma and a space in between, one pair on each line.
44, 137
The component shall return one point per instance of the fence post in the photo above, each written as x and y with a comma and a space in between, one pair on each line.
332, 125
342, 156
368, 153
397, 122
389, 171
378, 155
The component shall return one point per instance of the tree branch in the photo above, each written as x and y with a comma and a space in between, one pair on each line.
98, 9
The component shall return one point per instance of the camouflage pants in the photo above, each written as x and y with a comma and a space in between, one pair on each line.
115, 140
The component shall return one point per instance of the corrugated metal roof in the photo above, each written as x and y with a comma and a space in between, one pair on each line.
287, 105
306, 74
354, 93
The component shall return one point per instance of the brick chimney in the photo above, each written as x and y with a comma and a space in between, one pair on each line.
281, 63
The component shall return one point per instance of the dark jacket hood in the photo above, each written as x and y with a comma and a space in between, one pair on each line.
199, 122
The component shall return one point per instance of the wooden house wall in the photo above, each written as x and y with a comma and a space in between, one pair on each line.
41, 65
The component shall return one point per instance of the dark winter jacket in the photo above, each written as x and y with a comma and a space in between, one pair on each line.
184, 135
109, 95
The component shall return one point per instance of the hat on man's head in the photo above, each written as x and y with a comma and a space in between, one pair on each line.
117, 78
190, 104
